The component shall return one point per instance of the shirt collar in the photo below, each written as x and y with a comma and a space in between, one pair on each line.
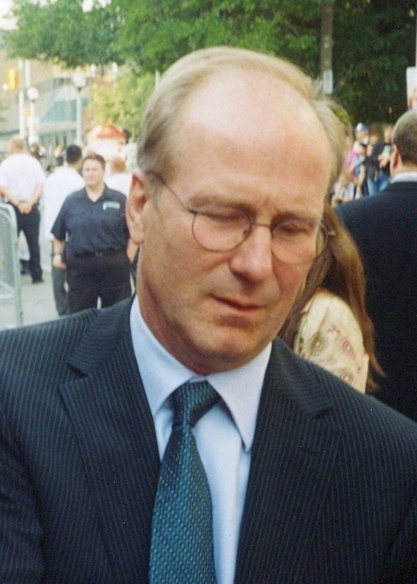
405, 177
161, 374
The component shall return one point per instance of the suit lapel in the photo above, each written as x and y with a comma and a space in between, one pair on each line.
111, 418
292, 459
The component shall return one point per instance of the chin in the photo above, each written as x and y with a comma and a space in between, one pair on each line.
229, 351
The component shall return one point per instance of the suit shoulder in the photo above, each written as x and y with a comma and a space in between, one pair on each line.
34, 344
400, 197
322, 395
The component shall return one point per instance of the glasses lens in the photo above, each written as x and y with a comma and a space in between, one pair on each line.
218, 228
298, 243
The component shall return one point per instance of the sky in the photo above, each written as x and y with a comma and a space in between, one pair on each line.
5, 6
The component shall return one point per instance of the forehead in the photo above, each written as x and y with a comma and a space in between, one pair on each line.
250, 106
92, 164
252, 130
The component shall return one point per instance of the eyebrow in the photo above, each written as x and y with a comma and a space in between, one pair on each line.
250, 210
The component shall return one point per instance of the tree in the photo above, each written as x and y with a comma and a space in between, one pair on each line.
60, 31
373, 39
374, 44
121, 102
154, 34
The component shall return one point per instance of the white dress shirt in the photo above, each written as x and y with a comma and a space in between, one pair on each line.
224, 435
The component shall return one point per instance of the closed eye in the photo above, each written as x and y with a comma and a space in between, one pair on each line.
220, 214
295, 228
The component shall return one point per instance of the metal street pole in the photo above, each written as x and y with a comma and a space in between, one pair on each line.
326, 48
79, 81
33, 95
415, 12
79, 133
22, 84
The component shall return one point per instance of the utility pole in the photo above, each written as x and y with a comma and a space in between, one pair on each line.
326, 47
22, 89
415, 12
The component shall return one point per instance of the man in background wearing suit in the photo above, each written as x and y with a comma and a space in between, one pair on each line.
293, 475
384, 228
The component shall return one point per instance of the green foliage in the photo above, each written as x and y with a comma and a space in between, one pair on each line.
154, 34
374, 44
374, 40
61, 32
121, 102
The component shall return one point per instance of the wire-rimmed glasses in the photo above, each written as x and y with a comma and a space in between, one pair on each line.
220, 228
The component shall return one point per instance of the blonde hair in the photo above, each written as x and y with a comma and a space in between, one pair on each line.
16, 144
156, 144
117, 164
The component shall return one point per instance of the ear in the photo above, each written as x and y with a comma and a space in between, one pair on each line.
136, 202
395, 159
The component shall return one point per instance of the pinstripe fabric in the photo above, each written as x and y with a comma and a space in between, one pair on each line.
332, 489
338, 498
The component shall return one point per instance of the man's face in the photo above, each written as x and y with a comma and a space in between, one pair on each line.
254, 146
93, 173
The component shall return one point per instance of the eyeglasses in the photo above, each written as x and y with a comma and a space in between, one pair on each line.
221, 228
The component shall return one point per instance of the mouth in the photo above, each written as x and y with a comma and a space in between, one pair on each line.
238, 305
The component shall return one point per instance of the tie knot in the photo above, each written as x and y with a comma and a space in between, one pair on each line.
192, 401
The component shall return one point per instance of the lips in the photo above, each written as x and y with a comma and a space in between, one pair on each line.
237, 304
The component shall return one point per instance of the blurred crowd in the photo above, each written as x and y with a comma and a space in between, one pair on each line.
37, 188
366, 169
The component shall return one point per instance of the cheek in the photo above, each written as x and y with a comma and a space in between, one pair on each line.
291, 281
171, 256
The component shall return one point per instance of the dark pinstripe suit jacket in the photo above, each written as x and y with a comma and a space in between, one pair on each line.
332, 493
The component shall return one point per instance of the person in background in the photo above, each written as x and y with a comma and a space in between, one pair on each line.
119, 178
377, 163
329, 323
384, 229
362, 133
356, 170
21, 180
59, 155
59, 184
38, 152
355, 162
172, 437
90, 241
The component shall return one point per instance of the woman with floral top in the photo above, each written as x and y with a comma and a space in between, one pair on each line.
329, 323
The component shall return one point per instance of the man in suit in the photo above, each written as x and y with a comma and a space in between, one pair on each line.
309, 481
384, 228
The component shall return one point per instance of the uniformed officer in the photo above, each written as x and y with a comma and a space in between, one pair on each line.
90, 240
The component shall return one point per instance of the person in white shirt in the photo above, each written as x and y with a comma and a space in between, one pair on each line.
63, 181
21, 180
119, 178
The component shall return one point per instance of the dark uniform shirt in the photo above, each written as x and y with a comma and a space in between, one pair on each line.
90, 227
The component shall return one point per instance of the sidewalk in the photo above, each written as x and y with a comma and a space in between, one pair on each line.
37, 301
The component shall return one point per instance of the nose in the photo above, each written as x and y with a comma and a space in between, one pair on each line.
253, 259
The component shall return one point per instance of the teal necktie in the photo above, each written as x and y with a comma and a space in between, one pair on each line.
182, 524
